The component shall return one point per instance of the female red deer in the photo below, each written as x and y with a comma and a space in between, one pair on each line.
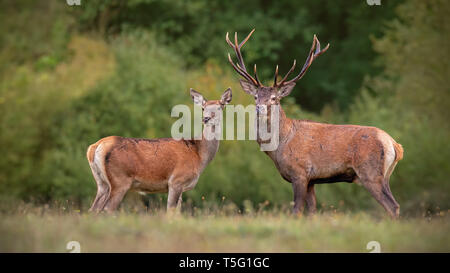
120, 164
312, 153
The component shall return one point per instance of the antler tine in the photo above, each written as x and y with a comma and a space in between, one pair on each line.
237, 48
322, 51
317, 45
246, 38
238, 52
288, 73
240, 72
275, 77
313, 54
318, 51
256, 75
240, 66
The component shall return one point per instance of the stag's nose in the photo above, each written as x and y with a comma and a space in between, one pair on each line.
206, 119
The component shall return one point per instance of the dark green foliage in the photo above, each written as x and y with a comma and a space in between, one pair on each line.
284, 32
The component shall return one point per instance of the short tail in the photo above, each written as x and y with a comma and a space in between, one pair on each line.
91, 152
398, 151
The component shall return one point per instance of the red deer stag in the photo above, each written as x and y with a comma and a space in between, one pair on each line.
311, 153
121, 164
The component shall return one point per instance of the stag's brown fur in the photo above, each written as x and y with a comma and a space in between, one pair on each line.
121, 164
312, 153
315, 153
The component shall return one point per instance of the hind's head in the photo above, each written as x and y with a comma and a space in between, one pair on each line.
211, 108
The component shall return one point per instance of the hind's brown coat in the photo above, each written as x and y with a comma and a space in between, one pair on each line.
120, 164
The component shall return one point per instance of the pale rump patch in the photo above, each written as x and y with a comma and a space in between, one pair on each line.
389, 151
99, 162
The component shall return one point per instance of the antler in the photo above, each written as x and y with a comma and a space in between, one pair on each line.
240, 66
313, 54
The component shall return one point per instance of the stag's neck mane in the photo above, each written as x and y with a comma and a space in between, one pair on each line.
286, 126
286, 131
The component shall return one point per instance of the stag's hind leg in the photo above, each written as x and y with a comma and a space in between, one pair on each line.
378, 187
373, 165
387, 190
394, 206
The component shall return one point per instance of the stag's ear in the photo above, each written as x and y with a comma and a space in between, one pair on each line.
226, 97
197, 98
249, 88
286, 90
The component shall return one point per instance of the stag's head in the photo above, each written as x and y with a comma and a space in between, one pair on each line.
265, 96
211, 108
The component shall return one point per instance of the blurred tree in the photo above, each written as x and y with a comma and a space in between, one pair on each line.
135, 101
196, 29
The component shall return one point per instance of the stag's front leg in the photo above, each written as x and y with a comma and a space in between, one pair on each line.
311, 199
299, 186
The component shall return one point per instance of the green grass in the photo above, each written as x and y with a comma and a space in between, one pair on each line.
40, 229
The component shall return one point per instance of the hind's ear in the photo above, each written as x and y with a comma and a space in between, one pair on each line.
197, 98
249, 88
226, 96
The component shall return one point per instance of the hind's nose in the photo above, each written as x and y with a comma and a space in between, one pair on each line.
206, 119
260, 109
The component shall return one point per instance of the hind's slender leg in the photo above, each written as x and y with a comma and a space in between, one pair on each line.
100, 199
102, 190
118, 191
97, 196
173, 198
311, 199
101, 202
180, 200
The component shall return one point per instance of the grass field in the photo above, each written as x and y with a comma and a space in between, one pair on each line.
40, 229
